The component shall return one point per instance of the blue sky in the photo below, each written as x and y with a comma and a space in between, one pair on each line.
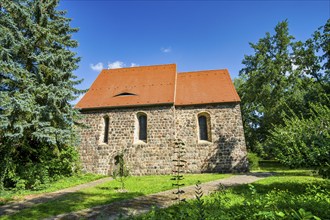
196, 35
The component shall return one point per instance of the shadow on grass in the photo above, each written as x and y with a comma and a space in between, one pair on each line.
260, 200
306, 173
312, 196
132, 207
70, 202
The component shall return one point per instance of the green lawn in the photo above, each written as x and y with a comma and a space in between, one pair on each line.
10, 195
106, 193
291, 194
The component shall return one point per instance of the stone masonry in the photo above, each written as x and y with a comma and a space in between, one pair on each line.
224, 152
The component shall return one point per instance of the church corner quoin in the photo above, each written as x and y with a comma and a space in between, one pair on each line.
140, 111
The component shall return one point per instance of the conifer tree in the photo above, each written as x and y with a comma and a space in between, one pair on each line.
36, 86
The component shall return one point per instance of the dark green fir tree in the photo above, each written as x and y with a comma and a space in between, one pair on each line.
37, 84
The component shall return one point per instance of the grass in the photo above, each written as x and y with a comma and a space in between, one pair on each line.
106, 193
12, 195
290, 194
281, 170
278, 197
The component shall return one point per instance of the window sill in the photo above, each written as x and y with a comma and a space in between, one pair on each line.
204, 142
139, 142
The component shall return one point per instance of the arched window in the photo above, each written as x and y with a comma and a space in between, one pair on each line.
204, 125
106, 129
142, 119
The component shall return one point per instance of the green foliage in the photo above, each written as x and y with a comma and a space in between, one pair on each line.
286, 197
253, 161
121, 172
282, 78
304, 142
37, 84
179, 164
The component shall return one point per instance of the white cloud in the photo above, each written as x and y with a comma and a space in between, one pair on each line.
115, 65
97, 67
166, 49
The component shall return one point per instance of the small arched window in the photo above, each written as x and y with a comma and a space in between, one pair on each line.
204, 125
106, 129
142, 119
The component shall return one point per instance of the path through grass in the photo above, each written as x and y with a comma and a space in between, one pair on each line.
10, 195
106, 193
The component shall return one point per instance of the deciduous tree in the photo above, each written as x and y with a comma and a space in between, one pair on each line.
280, 79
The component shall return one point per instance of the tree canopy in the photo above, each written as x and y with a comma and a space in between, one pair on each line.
282, 80
37, 84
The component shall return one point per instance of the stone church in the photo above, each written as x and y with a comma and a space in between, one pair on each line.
140, 111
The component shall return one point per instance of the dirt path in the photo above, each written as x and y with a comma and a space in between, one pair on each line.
164, 199
45, 197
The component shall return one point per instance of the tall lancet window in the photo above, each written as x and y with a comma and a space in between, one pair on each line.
142, 118
106, 129
204, 124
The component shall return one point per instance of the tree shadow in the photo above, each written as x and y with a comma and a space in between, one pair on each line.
131, 207
222, 158
276, 196
256, 201
68, 202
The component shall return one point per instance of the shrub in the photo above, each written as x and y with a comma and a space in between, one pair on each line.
36, 173
302, 142
253, 161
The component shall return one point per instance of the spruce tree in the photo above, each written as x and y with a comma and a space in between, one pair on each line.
37, 84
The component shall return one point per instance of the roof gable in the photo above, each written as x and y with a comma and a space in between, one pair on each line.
146, 85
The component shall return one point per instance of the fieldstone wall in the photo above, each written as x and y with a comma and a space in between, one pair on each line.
224, 153
152, 157
226, 150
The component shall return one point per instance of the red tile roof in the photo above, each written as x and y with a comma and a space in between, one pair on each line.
155, 85
203, 87
150, 84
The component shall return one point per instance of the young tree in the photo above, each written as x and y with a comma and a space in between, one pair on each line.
179, 165
36, 86
121, 172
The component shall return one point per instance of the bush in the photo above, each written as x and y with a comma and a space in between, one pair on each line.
302, 142
36, 173
253, 161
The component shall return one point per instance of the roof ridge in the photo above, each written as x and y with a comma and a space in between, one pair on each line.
136, 67
199, 71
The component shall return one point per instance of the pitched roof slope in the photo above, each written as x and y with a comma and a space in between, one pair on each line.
144, 85
204, 87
